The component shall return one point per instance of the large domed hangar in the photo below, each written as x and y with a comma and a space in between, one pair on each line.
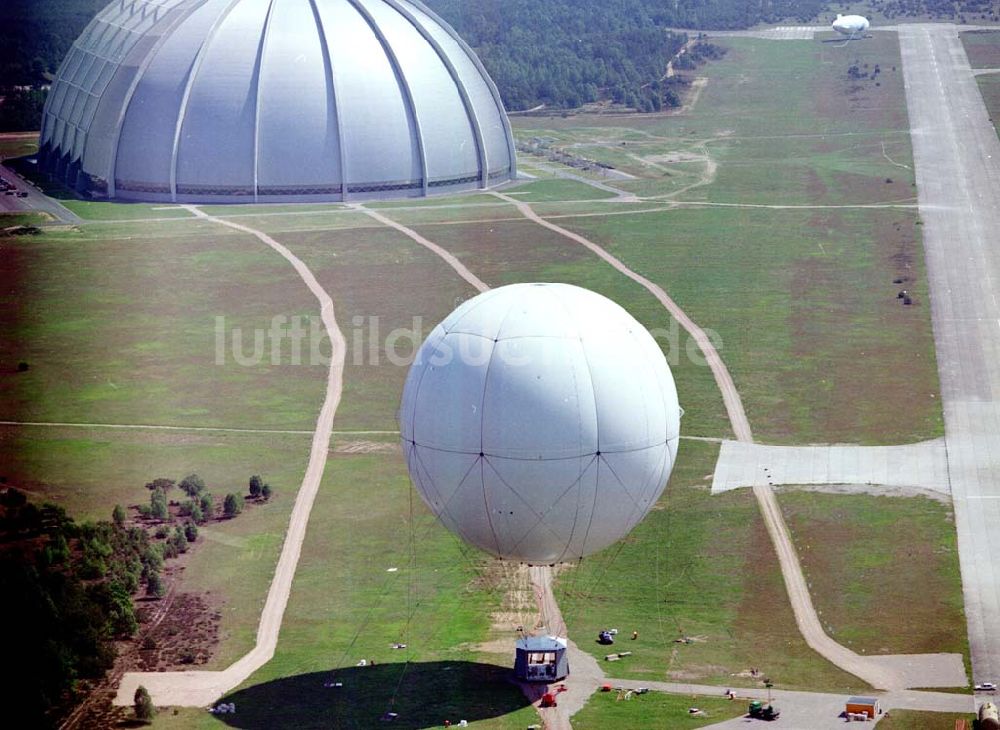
273, 101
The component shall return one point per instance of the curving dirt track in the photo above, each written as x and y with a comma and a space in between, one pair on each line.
198, 689
875, 673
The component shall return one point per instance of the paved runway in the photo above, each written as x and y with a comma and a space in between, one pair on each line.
922, 466
957, 156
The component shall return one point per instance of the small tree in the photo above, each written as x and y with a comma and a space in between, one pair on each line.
196, 514
207, 506
164, 484
144, 709
154, 585
158, 504
255, 486
266, 491
118, 515
179, 540
192, 484
191, 531
233, 505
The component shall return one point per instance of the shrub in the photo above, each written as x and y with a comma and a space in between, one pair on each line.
144, 709
233, 505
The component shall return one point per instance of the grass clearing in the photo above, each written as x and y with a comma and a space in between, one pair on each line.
543, 191
866, 556
516, 251
125, 331
989, 87
698, 566
803, 300
654, 710
915, 720
389, 294
88, 472
346, 606
805, 310
982, 47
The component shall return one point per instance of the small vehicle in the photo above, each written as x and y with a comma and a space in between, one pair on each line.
22, 194
758, 711
986, 687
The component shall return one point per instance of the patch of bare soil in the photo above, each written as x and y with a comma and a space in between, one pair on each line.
186, 636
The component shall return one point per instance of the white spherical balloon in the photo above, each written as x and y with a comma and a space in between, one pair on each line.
540, 422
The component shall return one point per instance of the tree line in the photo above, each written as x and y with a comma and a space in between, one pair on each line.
564, 53
69, 589
560, 53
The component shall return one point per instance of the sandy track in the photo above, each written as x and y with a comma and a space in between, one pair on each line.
197, 689
450, 259
730, 396
875, 673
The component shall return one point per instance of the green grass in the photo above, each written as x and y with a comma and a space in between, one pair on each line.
9, 220
124, 331
18, 145
88, 472
548, 190
803, 300
698, 566
119, 211
805, 310
516, 251
381, 283
989, 87
982, 48
654, 710
915, 720
775, 139
345, 606
865, 556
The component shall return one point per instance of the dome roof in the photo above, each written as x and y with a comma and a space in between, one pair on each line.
273, 100
540, 422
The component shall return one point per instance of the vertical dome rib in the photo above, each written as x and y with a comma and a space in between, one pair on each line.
191, 79
511, 150
258, 63
470, 110
332, 98
143, 66
404, 85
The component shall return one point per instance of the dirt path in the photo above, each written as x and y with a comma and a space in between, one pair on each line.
198, 689
730, 396
585, 673
453, 262
874, 673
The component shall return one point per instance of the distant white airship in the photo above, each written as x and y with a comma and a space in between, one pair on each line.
851, 25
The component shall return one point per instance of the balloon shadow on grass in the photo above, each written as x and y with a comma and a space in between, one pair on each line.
422, 694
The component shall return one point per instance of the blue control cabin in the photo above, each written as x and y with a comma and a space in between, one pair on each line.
541, 659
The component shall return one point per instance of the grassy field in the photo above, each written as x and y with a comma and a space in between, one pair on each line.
381, 284
346, 605
989, 86
806, 313
654, 710
124, 330
982, 48
803, 299
702, 567
116, 318
914, 720
866, 556
512, 251
549, 190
